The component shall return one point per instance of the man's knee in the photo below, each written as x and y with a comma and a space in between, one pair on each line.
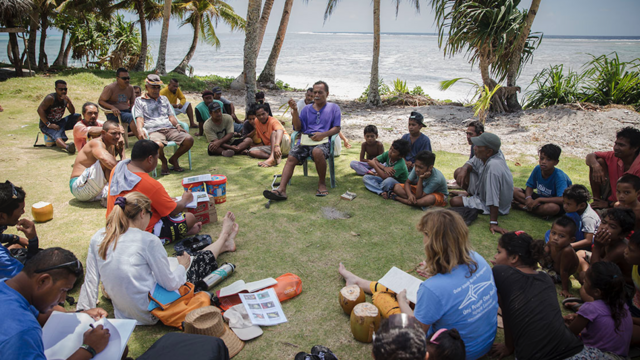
456, 201
317, 155
292, 160
187, 142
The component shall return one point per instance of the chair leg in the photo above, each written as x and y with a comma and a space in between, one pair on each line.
304, 167
189, 154
332, 172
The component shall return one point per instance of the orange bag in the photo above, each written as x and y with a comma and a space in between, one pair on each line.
289, 286
173, 314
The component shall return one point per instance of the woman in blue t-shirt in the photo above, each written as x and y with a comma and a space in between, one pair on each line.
459, 291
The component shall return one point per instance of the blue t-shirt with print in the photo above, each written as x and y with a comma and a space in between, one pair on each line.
9, 266
553, 186
467, 303
436, 183
20, 333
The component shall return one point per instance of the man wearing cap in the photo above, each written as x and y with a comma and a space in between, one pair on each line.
319, 122
178, 101
50, 112
228, 108
202, 110
475, 128
154, 114
219, 131
490, 181
275, 140
119, 97
418, 140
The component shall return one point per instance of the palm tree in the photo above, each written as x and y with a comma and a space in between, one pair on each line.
148, 11
203, 16
373, 97
250, 52
268, 75
162, 51
10, 11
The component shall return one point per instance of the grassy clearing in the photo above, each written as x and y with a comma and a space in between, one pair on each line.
291, 236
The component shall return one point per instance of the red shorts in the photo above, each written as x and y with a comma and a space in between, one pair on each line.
440, 200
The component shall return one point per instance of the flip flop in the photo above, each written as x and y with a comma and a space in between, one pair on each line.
575, 307
163, 173
176, 169
322, 193
274, 195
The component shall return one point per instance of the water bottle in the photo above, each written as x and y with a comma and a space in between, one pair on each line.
215, 277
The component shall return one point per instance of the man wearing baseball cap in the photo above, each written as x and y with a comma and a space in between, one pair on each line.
419, 141
202, 110
490, 181
228, 108
154, 113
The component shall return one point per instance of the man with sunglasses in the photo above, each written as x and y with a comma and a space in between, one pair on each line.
119, 97
52, 123
31, 295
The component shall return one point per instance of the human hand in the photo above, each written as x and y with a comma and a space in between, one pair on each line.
184, 260
317, 137
408, 163
402, 297
565, 293
213, 146
425, 175
497, 229
187, 196
529, 203
115, 111
390, 171
53, 126
420, 269
461, 175
568, 319
411, 197
602, 237
27, 227
347, 145
293, 105
598, 174
179, 128
96, 313
97, 338
499, 351
277, 152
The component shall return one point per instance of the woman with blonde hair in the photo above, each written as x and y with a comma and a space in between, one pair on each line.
459, 291
130, 261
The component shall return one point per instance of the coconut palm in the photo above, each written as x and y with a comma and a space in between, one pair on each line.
203, 16
148, 11
162, 49
252, 31
268, 74
373, 97
10, 11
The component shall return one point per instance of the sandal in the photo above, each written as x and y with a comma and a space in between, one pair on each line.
274, 195
322, 193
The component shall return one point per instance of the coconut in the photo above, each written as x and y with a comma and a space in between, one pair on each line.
365, 320
350, 296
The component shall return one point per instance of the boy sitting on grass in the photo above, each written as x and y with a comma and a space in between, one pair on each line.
627, 191
370, 148
559, 255
426, 186
575, 199
417, 140
549, 183
390, 168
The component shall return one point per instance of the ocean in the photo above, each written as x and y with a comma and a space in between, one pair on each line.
343, 60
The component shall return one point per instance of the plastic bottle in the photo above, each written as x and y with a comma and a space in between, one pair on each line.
215, 277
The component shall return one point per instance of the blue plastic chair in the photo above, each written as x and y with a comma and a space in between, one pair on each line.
170, 143
330, 160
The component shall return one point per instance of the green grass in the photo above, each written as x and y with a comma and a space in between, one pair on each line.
291, 236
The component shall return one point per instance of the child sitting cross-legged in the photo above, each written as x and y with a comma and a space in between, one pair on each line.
604, 323
370, 148
390, 169
549, 183
575, 200
561, 260
425, 186
627, 191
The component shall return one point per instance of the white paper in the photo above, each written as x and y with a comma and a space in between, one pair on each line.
397, 280
306, 141
263, 308
198, 196
240, 285
196, 179
63, 334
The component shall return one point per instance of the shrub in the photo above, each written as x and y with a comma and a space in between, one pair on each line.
554, 87
417, 91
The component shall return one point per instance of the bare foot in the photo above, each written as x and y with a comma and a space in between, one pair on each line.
195, 229
385, 195
230, 243
267, 163
348, 276
176, 165
227, 223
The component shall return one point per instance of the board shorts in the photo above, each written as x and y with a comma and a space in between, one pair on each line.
302, 152
168, 134
285, 146
91, 185
440, 198
170, 229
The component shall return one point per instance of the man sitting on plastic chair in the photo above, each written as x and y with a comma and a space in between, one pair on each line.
316, 124
154, 115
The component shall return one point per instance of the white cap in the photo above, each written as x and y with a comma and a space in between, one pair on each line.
240, 323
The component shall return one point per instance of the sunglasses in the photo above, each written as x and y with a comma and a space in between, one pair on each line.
318, 118
61, 89
125, 78
14, 192
74, 266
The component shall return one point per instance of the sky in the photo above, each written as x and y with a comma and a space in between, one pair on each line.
555, 17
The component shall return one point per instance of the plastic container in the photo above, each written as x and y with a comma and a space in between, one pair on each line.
217, 188
48, 140
194, 186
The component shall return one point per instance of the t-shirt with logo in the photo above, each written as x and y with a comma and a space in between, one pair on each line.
466, 302
553, 186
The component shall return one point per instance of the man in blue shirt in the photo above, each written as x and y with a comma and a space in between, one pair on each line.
419, 141
11, 208
37, 289
319, 121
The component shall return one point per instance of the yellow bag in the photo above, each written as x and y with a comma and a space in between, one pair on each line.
174, 313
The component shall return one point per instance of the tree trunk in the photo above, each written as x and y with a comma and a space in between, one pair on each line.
268, 75
42, 58
514, 64
264, 19
374, 94
182, 67
162, 51
15, 51
67, 51
142, 60
250, 52
63, 42
33, 33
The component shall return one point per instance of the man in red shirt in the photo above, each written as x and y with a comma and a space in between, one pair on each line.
606, 167
167, 221
275, 140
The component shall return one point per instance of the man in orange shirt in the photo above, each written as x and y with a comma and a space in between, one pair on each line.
167, 221
275, 140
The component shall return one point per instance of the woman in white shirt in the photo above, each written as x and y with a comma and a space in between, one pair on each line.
130, 261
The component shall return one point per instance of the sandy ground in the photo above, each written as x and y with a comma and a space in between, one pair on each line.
578, 132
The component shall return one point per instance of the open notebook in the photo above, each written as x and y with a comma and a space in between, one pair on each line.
398, 280
63, 334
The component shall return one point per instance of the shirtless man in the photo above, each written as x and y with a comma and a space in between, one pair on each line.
52, 123
92, 168
119, 97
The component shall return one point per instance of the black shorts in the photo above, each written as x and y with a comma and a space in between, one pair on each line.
535, 196
202, 264
172, 229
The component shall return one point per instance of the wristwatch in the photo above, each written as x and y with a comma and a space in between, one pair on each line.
493, 222
89, 349
48, 123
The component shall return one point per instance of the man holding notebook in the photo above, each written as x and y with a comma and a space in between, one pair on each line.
316, 123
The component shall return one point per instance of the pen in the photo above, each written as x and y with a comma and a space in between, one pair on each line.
92, 326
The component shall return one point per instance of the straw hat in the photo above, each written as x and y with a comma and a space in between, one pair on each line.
208, 321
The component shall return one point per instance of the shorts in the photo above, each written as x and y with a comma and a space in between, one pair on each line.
169, 134
66, 123
302, 152
170, 229
91, 185
474, 202
202, 264
125, 115
183, 109
285, 146
440, 198
535, 196
384, 299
